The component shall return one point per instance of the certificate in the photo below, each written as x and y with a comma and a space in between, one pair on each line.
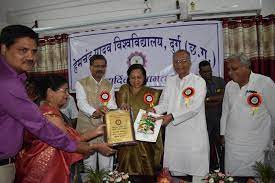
119, 127
145, 126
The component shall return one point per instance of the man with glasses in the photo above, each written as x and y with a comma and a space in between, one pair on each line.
90, 101
186, 148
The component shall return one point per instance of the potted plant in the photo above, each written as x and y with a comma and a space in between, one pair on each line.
95, 176
264, 172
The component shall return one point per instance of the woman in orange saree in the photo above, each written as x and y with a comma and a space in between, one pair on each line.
38, 162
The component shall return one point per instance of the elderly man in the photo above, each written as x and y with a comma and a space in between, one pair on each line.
186, 148
91, 93
17, 112
248, 113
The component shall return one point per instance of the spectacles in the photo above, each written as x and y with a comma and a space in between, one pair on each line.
181, 60
99, 66
65, 90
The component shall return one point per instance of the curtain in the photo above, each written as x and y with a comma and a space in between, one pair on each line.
52, 56
254, 36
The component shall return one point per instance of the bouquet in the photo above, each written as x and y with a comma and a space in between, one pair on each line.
218, 177
103, 176
146, 124
116, 176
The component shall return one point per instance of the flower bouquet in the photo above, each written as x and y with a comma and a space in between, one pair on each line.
218, 177
116, 176
103, 176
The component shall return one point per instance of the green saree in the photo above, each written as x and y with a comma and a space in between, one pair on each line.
145, 157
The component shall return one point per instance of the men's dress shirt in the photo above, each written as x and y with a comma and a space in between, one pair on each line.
82, 100
19, 113
213, 113
186, 148
247, 129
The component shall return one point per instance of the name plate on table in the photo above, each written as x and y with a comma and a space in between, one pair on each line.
119, 127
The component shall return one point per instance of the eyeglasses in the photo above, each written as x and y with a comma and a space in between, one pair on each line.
65, 90
99, 66
181, 60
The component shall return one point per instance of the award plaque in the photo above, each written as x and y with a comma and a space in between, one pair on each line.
119, 127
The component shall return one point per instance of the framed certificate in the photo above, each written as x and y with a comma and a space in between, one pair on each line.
119, 127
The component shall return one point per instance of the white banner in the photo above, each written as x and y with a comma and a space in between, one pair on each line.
152, 47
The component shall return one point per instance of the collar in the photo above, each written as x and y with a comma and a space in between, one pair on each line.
251, 77
96, 80
9, 71
185, 77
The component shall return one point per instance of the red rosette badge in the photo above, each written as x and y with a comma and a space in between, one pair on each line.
187, 94
149, 99
254, 100
104, 97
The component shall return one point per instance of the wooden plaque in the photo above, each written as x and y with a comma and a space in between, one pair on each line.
119, 127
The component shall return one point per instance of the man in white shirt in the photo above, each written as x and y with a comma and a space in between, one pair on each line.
92, 94
248, 114
186, 148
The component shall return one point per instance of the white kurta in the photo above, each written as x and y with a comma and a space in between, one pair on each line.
186, 149
247, 135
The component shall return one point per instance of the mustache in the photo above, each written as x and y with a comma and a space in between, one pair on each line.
29, 61
101, 72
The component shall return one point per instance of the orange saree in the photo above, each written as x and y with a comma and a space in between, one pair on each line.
39, 162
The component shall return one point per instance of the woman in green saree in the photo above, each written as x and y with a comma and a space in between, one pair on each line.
142, 160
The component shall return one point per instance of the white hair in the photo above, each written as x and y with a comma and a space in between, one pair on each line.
244, 60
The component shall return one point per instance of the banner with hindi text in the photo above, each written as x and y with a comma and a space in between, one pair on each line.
151, 46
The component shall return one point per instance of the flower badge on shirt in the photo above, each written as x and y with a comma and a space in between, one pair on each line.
104, 98
254, 100
187, 94
149, 99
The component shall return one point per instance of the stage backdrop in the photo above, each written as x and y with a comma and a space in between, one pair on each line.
152, 47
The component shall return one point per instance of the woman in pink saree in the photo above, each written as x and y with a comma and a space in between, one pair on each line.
38, 162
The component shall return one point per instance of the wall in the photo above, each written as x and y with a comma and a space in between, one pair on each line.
61, 12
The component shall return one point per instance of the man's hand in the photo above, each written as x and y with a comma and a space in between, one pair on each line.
151, 109
104, 149
100, 130
166, 119
97, 114
84, 148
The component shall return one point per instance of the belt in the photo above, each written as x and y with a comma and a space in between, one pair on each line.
6, 161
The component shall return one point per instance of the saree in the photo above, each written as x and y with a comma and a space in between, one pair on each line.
39, 162
145, 157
